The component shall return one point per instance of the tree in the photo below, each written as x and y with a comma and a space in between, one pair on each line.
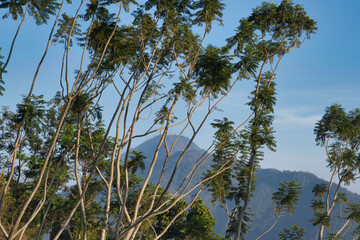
262, 39
199, 222
257, 135
339, 133
285, 199
177, 229
161, 77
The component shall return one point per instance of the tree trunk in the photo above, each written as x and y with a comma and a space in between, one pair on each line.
247, 198
277, 218
321, 232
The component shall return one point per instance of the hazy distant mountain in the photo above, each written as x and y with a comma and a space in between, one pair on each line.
261, 204
193, 153
267, 183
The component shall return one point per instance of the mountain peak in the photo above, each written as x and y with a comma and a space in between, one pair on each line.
181, 143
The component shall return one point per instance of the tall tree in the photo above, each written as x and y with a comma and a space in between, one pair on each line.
264, 38
338, 132
257, 135
261, 40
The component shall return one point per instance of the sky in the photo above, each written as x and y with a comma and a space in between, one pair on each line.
324, 71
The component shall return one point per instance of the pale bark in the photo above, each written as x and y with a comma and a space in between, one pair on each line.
22, 212
247, 197
23, 19
77, 177
271, 227
342, 228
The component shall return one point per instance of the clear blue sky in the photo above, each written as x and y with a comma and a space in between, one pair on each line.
325, 70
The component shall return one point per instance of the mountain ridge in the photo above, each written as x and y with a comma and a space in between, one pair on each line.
261, 204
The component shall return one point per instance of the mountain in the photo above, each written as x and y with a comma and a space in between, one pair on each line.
267, 182
193, 154
261, 204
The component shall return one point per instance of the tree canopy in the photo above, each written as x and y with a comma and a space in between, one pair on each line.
71, 174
